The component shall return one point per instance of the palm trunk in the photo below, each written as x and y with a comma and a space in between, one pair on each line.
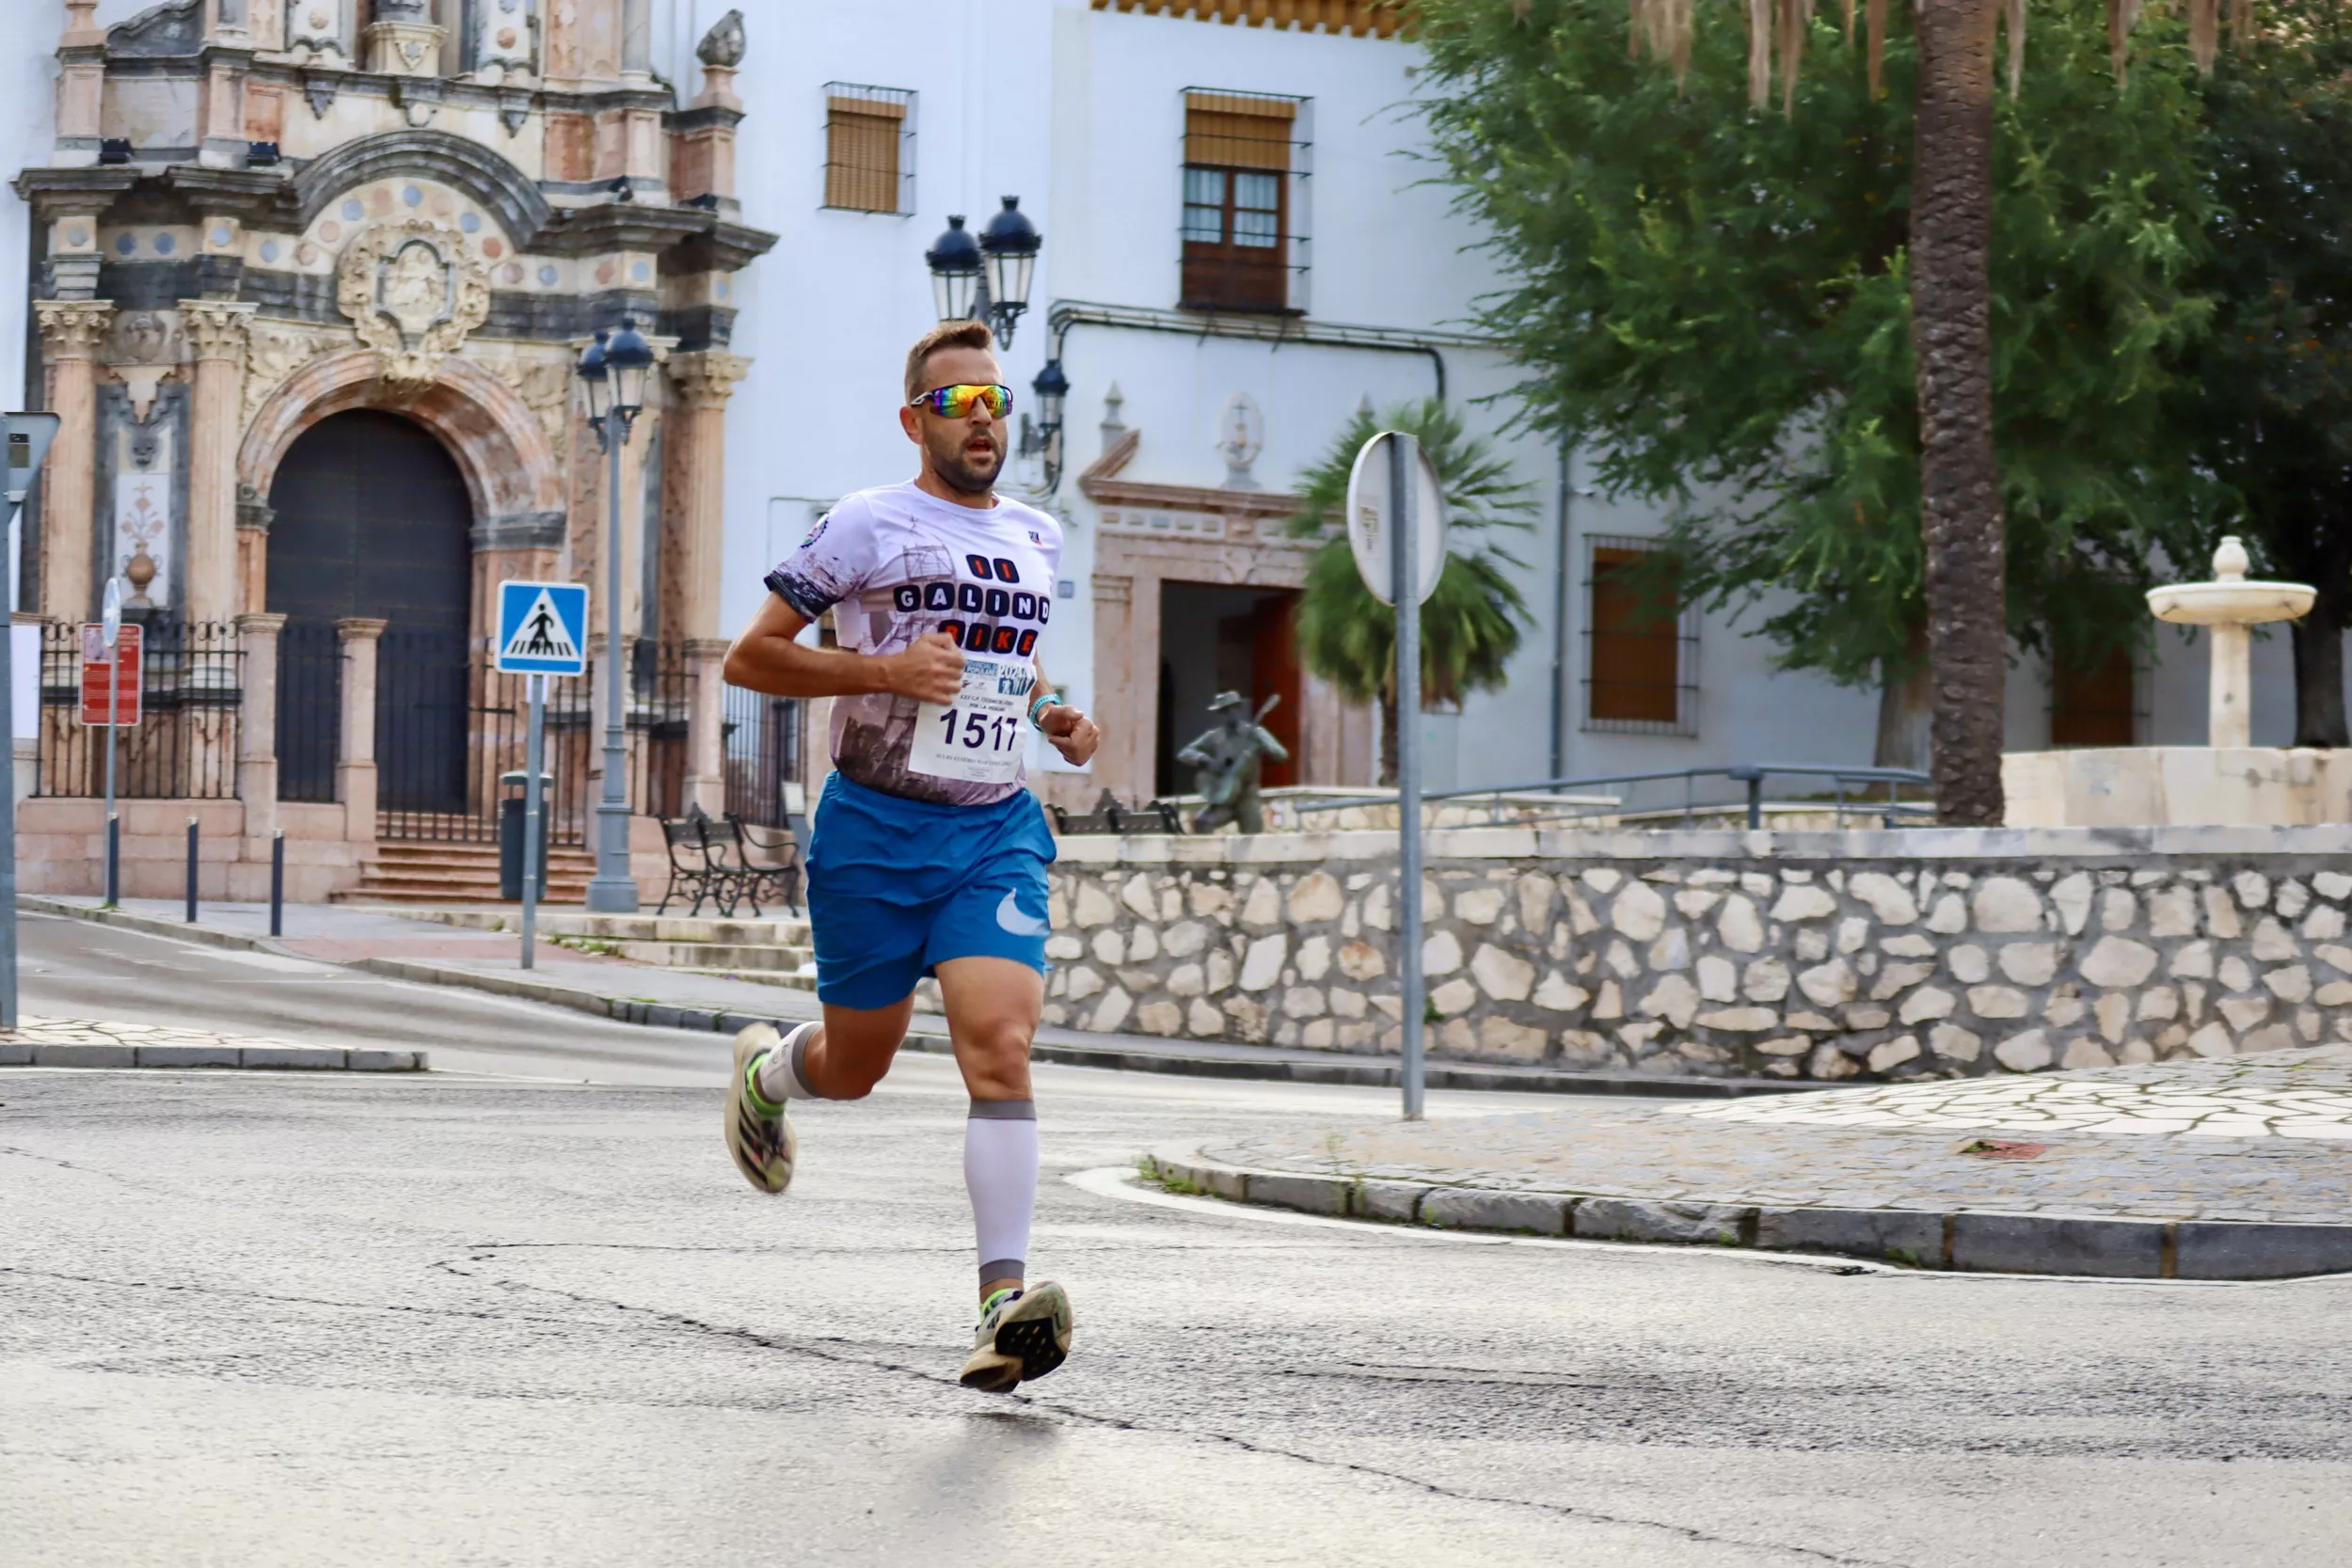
1389, 768
1951, 336
2319, 716
1905, 697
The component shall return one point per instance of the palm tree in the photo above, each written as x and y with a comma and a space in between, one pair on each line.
1471, 624
1962, 532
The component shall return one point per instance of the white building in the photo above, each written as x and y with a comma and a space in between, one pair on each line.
1158, 146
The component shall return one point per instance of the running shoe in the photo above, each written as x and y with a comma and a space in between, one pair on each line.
1022, 1335
760, 1133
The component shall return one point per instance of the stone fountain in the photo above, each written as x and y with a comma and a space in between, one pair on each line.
2228, 779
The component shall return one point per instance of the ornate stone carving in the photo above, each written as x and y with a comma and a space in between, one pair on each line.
316, 27
414, 294
723, 46
544, 387
273, 352
172, 30
216, 329
1241, 436
143, 338
72, 328
505, 42
705, 379
144, 353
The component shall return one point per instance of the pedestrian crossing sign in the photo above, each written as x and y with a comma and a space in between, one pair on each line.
543, 629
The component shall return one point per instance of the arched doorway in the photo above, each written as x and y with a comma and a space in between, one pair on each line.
372, 519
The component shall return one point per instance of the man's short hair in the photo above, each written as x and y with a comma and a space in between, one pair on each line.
946, 335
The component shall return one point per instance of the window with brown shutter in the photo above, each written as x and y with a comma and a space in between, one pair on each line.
869, 148
1239, 236
1638, 645
2093, 704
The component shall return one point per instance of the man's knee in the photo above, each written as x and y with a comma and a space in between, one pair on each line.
996, 1050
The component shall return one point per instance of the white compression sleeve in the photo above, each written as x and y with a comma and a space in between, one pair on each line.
1000, 1160
779, 1075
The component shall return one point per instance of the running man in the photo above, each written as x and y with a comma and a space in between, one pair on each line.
926, 856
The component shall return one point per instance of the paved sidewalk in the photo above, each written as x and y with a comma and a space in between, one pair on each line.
2217, 1169
400, 947
93, 1043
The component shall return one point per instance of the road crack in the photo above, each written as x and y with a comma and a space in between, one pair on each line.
837, 1352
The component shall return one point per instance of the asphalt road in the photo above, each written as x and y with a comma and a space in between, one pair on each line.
257, 1319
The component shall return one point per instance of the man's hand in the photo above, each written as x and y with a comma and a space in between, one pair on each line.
930, 670
1073, 735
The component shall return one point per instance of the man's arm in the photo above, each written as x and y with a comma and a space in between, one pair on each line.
766, 657
1070, 733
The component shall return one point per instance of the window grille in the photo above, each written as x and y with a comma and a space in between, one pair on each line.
869, 148
1243, 228
1641, 643
2095, 703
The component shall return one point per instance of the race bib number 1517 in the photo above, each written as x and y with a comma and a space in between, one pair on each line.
979, 738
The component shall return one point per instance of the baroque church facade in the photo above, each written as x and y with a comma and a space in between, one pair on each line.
310, 280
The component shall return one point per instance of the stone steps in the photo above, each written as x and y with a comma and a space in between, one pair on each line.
773, 952
804, 978
427, 873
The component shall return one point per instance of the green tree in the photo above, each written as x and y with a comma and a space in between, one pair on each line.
1722, 304
1473, 622
2267, 404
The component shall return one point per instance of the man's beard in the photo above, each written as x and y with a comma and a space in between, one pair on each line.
958, 473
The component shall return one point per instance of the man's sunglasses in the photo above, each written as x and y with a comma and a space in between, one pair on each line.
955, 403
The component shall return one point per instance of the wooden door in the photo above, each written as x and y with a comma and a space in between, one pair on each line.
1274, 671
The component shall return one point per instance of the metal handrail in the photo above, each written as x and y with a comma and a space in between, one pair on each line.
1751, 774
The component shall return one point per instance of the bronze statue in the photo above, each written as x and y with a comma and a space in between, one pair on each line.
1229, 757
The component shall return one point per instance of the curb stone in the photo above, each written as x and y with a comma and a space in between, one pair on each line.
281, 1058
1961, 1241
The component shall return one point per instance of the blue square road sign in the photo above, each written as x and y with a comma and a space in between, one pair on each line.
543, 629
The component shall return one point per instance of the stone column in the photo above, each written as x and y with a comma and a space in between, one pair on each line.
1129, 721
355, 775
697, 457
71, 331
696, 494
257, 738
706, 724
217, 332
81, 85
253, 519
703, 162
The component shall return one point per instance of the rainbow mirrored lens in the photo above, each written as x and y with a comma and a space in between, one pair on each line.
955, 403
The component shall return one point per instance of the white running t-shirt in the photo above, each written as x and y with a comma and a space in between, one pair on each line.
896, 562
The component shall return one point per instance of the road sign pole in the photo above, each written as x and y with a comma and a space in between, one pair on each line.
530, 815
113, 711
27, 437
1404, 468
8, 823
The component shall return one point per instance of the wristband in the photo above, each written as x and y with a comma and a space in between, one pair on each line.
1044, 700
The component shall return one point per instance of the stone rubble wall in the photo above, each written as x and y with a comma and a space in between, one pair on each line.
1921, 953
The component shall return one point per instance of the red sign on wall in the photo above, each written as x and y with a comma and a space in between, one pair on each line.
100, 678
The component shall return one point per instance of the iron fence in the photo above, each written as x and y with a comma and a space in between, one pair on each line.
763, 754
183, 748
449, 726
310, 710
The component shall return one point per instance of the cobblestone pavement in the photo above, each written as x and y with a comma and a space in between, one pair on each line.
2250, 1151
2287, 1093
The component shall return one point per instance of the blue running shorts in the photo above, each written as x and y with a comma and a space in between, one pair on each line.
898, 886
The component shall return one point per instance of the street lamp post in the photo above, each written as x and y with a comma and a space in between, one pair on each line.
987, 277
613, 369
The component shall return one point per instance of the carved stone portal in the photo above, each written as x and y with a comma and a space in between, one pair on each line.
414, 294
